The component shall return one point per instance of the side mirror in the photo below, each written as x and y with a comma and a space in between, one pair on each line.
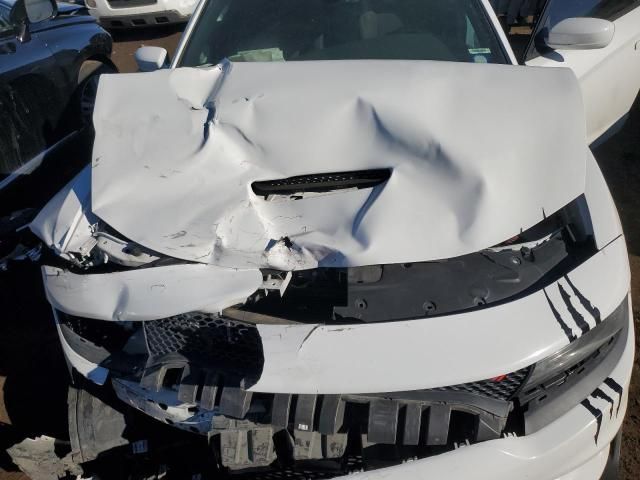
580, 34
25, 12
39, 10
151, 58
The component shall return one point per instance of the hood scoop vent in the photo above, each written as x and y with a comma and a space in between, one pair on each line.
321, 183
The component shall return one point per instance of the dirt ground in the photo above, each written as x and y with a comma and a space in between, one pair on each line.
619, 160
27, 344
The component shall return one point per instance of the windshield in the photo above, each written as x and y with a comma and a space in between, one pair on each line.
290, 30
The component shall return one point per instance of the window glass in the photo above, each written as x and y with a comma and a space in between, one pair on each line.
5, 24
293, 30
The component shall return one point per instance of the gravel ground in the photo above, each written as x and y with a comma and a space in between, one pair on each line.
26, 343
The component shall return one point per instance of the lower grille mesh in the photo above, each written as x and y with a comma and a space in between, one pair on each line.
208, 341
501, 388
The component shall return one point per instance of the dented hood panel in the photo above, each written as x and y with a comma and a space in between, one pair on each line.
472, 162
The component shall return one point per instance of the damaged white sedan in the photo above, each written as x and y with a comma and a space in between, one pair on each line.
333, 237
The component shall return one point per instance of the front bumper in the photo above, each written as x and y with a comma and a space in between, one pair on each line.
566, 437
146, 13
143, 20
573, 446
566, 449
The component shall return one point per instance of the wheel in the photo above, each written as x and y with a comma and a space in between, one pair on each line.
85, 96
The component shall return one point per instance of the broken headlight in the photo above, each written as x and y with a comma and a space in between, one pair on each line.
581, 354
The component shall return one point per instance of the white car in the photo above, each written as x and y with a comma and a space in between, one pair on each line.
114, 14
358, 235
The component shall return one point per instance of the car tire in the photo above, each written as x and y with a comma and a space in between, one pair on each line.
87, 89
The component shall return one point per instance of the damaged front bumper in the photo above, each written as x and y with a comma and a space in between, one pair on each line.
461, 393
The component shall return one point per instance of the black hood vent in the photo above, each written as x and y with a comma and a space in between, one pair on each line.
321, 182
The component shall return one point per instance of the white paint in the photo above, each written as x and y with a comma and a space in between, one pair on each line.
175, 10
176, 152
64, 224
469, 171
89, 370
459, 184
602, 209
177, 413
433, 352
149, 293
581, 34
563, 450
150, 58
609, 77
593, 468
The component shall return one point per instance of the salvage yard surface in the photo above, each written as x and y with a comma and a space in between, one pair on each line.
126, 42
619, 160
32, 369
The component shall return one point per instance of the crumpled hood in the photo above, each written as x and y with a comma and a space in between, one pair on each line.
477, 153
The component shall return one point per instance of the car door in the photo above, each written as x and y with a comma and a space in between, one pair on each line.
8, 49
27, 97
609, 77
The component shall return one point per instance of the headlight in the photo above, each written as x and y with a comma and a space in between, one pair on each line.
91, 3
595, 343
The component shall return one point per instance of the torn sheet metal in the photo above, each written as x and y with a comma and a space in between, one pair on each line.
177, 151
65, 222
149, 293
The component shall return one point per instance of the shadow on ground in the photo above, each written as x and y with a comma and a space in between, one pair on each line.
32, 367
619, 159
33, 373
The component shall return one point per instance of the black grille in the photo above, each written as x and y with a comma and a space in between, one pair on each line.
130, 3
229, 347
112, 336
312, 472
321, 182
501, 388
